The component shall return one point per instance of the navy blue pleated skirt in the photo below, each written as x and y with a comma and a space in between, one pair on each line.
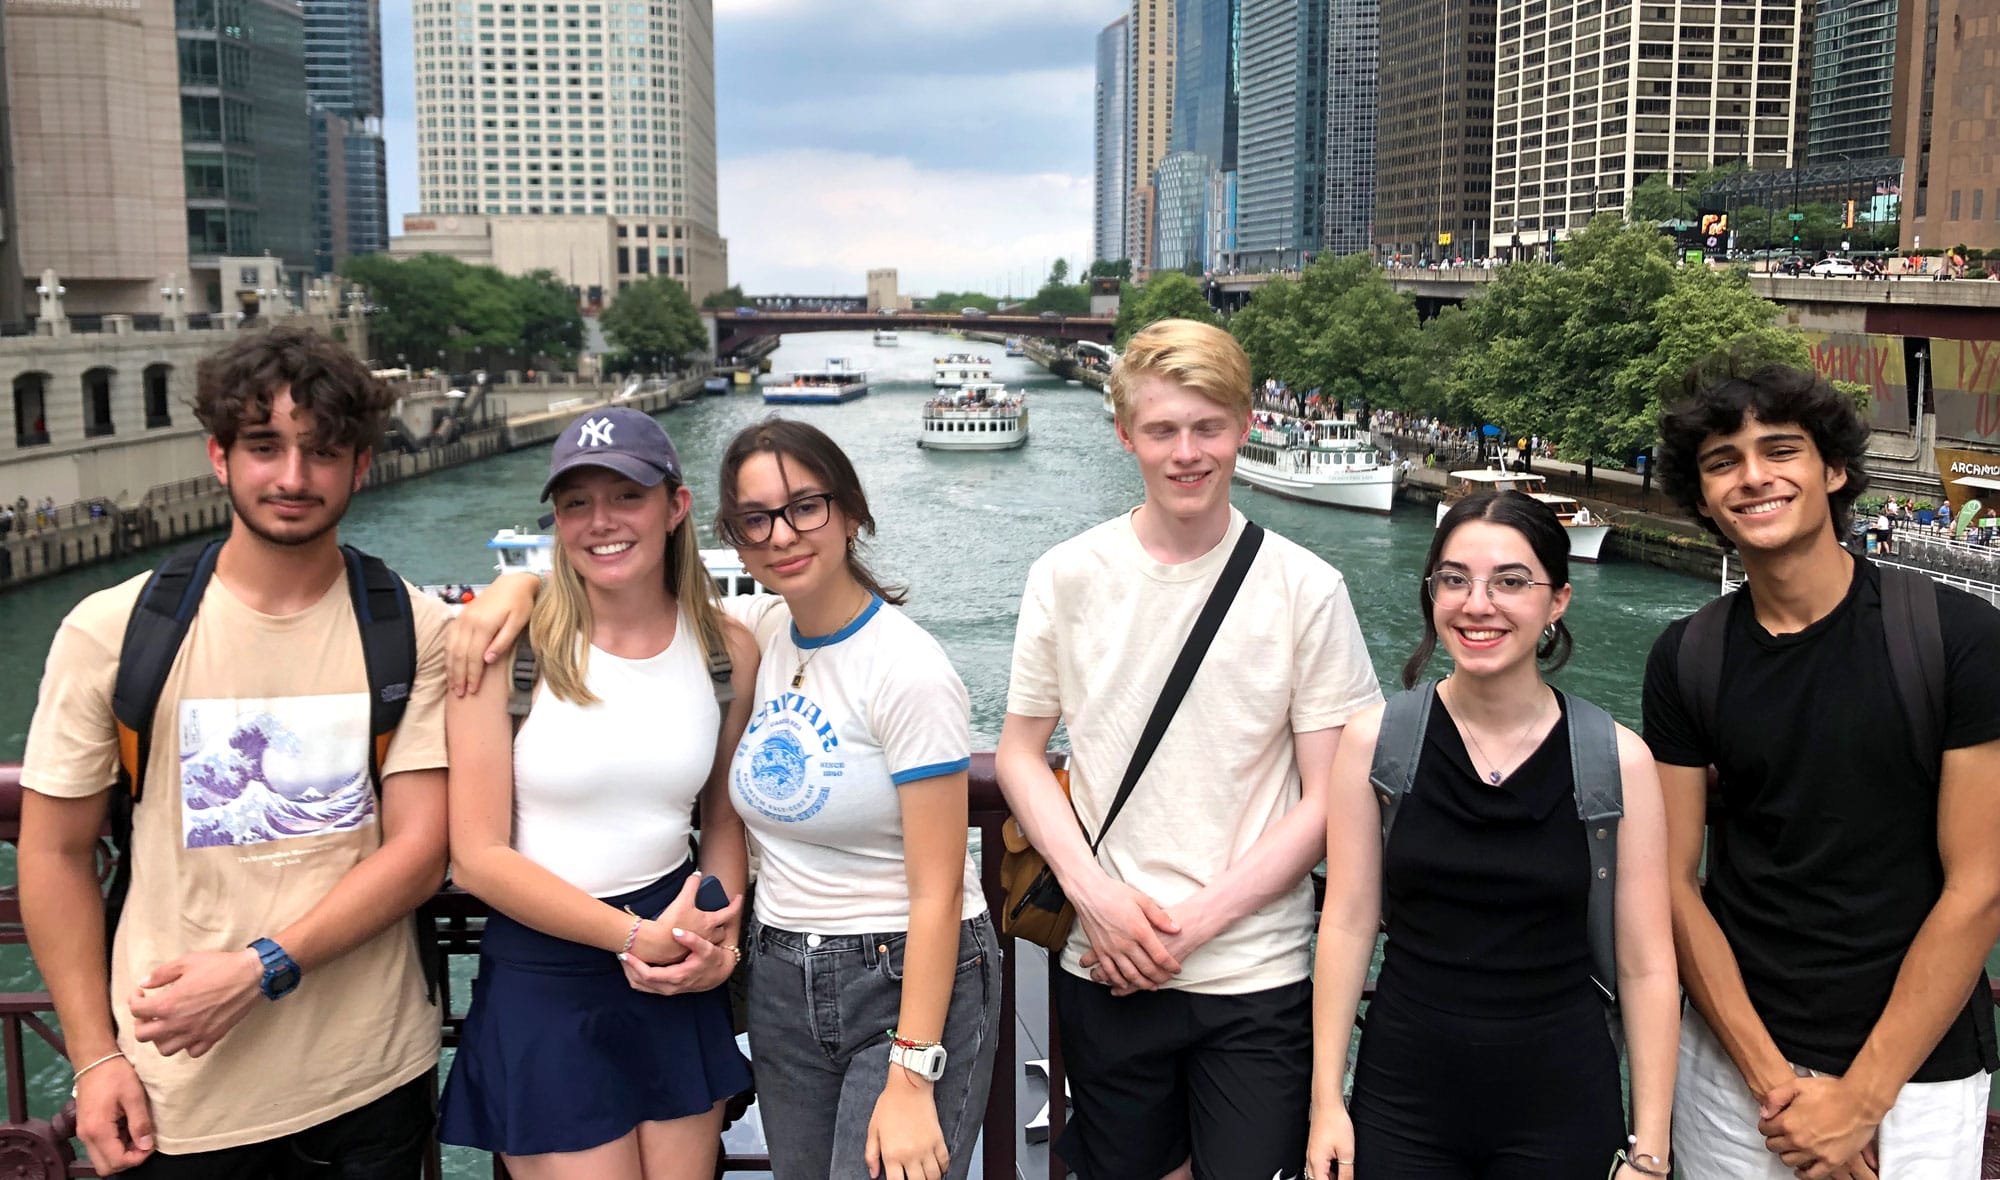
560, 1053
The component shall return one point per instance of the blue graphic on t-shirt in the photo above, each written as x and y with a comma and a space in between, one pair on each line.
776, 770
257, 771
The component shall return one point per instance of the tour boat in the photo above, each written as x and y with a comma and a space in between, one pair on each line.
886, 338
715, 385
950, 372
1317, 460
839, 381
978, 416
1015, 347
1586, 533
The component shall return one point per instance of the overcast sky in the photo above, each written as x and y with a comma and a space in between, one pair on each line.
950, 139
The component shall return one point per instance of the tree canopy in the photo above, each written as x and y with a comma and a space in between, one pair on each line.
437, 310
1338, 328
1120, 269
652, 324
1166, 296
727, 299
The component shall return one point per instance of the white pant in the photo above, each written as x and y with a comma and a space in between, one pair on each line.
1936, 1130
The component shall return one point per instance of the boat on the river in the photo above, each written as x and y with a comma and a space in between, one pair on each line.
1015, 347
715, 385
1586, 534
886, 338
520, 552
950, 372
978, 416
1316, 460
839, 381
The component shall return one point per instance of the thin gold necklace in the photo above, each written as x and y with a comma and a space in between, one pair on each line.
1494, 776
799, 677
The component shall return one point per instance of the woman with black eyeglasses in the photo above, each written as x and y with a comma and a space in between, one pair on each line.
874, 969
1487, 1055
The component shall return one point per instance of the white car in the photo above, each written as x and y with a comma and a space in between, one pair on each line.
1839, 268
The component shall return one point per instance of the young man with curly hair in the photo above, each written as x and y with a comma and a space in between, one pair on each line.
264, 1012
1839, 1021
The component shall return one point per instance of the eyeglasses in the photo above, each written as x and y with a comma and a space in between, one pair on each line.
754, 528
1451, 586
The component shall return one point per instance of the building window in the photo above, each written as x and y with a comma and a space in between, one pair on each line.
31, 423
97, 403
158, 412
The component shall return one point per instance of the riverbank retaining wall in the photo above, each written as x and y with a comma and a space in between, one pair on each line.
176, 512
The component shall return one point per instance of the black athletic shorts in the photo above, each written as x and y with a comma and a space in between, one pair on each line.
1157, 1078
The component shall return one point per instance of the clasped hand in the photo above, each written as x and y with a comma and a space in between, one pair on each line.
683, 949
1125, 929
188, 1003
1821, 1129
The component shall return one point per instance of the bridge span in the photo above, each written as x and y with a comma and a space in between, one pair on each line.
734, 329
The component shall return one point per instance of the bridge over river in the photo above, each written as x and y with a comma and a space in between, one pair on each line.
734, 329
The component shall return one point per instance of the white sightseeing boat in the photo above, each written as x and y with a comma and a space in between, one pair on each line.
886, 338
517, 552
1319, 461
1586, 533
839, 381
960, 368
978, 416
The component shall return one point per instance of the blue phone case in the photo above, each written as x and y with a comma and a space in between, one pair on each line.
711, 896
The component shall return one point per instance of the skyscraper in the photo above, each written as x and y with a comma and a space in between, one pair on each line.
1149, 75
1853, 110
1434, 128
1353, 46
343, 52
1108, 244
1205, 81
1591, 104
579, 110
1281, 140
1952, 115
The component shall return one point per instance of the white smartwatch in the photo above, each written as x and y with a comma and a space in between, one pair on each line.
927, 1063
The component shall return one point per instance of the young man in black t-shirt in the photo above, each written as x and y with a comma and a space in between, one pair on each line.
1839, 1024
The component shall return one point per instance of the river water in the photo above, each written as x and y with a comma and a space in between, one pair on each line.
958, 529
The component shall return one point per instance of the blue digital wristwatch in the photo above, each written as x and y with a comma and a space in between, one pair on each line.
281, 975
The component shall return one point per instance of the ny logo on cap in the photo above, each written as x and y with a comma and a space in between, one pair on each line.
596, 433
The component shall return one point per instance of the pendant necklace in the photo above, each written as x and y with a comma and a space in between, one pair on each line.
1493, 776
799, 677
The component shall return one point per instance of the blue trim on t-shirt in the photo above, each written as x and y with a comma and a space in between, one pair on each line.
807, 642
934, 770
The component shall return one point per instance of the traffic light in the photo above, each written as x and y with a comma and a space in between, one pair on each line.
1795, 239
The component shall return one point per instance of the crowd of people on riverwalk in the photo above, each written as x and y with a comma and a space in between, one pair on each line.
690, 818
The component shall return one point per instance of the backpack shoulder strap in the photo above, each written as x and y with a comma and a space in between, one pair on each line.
1699, 663
1399, 742
388, 648
1916, 654
720, 666
522, 673
154, 633
1600, 804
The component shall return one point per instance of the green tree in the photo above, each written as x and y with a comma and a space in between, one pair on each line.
654, 325
953, 301
1059, 273
727, 299
1067, 298
551, 324
1166, 296
487, 309
1105, 268
1656, 200
1338, 328
415, 298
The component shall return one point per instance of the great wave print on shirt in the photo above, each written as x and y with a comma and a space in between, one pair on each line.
787, 768
254, 771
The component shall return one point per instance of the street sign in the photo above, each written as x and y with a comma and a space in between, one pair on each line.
1444, 239
1795, 217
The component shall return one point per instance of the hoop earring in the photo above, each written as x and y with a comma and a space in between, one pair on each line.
1549, 633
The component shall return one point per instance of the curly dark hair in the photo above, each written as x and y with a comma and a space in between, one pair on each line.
235, 384
1717, 394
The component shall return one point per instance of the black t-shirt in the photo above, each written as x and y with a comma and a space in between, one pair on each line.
1823, 855
1488, 887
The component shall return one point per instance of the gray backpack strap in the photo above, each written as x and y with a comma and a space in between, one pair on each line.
1600, 803
522, 673
719, 668
1398, 744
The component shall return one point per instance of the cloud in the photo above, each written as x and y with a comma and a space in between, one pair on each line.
815, 222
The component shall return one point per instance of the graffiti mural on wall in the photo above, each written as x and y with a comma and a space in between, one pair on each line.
1870, 360
1965, 384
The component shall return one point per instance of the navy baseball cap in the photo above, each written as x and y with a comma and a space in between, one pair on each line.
623, 440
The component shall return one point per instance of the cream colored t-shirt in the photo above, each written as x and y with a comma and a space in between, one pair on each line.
257, 801
1101, 624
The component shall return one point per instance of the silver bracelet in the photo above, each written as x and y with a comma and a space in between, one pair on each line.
74, 1082
1621, 1159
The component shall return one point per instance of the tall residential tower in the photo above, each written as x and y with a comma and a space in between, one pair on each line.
1434, 128
1149, 76
1108, 243
344, 90
1353, 44
1281, 140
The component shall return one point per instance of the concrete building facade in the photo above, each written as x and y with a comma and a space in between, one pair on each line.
1434, 128
343, 54
1353, 53
1149, 74
1109, 175
882, 289
13, 294
1593, 99
593, 110
1281, 136
95, 139
1952, 117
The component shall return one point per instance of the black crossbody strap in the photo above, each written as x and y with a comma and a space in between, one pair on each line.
1205, 626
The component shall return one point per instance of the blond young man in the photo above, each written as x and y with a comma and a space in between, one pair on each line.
1183, 996
265, 1012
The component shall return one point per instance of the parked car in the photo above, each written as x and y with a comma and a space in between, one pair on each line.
886, 311
1052, 315
972, 313
1794, 264
1835, 268
746, 311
